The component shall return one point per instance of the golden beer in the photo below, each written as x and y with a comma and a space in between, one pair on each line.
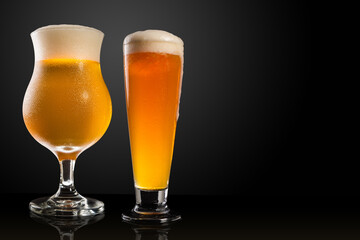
152, 94
153, 63
67, 107
153, 73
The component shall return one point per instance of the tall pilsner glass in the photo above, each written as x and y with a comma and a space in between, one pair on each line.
153, 63
67, 108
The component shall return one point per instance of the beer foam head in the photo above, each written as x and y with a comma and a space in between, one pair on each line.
67, 41
153, 41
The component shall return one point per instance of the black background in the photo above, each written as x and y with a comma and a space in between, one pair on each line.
249, 124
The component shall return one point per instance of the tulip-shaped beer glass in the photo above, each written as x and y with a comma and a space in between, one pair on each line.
67, 108
153, 63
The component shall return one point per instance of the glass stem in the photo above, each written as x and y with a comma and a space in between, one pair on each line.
66, 186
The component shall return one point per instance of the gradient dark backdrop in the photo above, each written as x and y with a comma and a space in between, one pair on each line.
247, 123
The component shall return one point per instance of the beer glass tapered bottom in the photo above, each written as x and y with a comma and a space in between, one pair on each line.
151, 207
66, 207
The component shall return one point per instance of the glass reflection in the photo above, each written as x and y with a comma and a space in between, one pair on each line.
151, 232
67, 226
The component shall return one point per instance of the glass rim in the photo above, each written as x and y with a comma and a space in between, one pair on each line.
62, 27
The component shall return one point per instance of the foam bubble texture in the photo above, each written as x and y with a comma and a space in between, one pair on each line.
153, 41
67, 41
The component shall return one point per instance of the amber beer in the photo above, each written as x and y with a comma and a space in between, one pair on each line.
153, 63
67, 107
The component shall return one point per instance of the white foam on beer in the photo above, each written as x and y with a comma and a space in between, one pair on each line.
153, 41
67, 41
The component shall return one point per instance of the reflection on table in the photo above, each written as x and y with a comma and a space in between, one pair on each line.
203, 217
151, 232
67, 226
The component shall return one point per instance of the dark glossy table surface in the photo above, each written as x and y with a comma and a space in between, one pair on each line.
203, 217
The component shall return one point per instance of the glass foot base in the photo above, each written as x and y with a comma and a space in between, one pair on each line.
150, 208
139, 218
66, 207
